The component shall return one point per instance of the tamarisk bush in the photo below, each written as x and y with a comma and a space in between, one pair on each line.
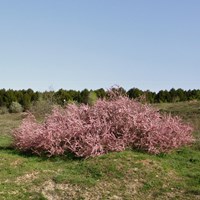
109, 125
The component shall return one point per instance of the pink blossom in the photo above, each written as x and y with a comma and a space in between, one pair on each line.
109, 125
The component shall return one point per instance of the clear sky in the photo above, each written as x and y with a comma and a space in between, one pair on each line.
77, 44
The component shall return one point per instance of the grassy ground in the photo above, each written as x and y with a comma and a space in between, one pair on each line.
125, 175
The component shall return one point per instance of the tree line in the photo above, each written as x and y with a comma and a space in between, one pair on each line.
26, 98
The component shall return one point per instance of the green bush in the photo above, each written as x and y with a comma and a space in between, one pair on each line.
41, 107
3, 110
15, 107
92, 98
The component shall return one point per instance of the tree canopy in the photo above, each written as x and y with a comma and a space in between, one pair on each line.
61, 97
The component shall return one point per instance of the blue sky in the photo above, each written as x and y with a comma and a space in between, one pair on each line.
77, 44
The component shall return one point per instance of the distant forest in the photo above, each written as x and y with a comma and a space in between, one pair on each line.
26, 98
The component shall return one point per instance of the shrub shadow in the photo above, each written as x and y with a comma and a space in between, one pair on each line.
68, 156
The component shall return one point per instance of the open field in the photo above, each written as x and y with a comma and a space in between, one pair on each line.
125, 175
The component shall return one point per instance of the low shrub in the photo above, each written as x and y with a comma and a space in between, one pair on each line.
92, 98
15, 107
109, 125
41, 108
3, 110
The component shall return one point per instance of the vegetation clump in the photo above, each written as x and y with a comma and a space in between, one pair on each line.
111, 124
15, 107
3, 110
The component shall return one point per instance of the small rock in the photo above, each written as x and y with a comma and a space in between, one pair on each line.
135, 169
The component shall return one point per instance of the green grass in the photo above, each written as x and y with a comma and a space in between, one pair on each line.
120, 175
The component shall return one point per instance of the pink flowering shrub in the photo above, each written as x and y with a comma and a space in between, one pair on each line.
109, 125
